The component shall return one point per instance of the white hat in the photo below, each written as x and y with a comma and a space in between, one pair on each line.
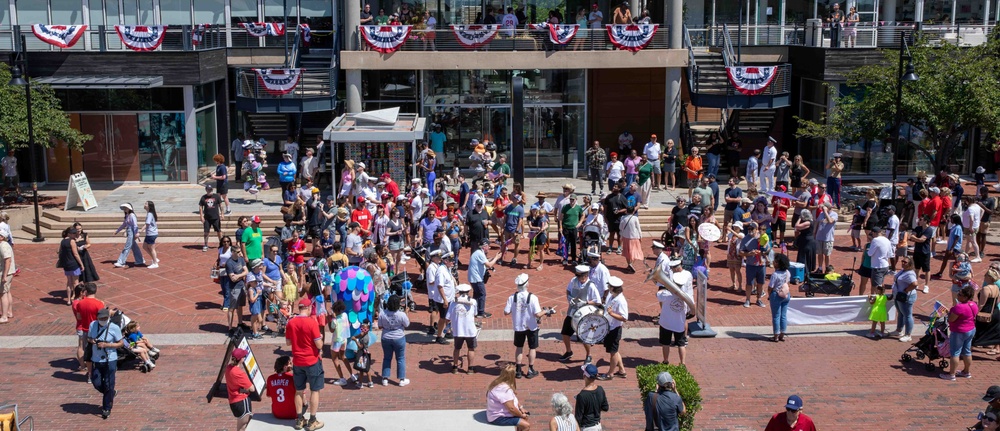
415, 181
657, 244
980, 170
447, 255
361, 165
436, 253
463, 287
424, 191
521, 280
674, 263
595, 206
771, 139
126, 206
738, 224
401, 198
581, 269
615, 282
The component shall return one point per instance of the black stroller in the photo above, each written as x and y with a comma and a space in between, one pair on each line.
817, 283
401, 286
930, 346
125, 353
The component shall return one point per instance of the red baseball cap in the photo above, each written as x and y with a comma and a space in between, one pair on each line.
305, 302
361, 199
256, 219
240, 354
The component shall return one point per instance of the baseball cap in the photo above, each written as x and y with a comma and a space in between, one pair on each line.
572, 197
103, 313
304, 303
315, 190
521, 279
595, 206
256, 219
794, 403
589, 371
208, 187
240, 354
813, 181
361, 165
664, 378
992, 393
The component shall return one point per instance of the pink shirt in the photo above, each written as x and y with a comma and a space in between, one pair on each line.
966, 317
495, 400
631, 165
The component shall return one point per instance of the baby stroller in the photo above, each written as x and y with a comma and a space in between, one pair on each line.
933, 345
277, 311
817, 283
401, 286
125, 353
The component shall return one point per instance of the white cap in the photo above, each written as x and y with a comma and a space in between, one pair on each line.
463, 287
435, 253
447, 255
361, 165
771, 139
657, 244
738, 224
415, 181
595, 206
582, 269
126, 206
521, 279
615, 281
424, 191
674, 263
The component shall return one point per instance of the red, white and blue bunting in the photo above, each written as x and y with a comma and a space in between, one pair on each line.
631, 37
540, 26
385, 38
751, 80
63, 36
475, 36
261, 29
279, 82
561, 34
198, 33
141, 37
306, 34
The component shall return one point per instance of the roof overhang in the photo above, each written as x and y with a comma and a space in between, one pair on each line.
101, 82
386, 125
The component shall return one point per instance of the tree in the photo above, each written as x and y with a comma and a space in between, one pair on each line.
958, 92
49, 121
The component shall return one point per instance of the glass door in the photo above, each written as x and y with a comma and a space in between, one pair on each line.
543, 138
113, 152
868, 15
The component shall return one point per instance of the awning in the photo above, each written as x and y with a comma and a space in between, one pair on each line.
384, 125
101, 82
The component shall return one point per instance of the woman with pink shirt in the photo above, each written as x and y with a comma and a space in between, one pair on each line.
962, 324
632, 163
502, 407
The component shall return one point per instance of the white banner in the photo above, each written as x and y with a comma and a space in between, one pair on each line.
63, 36
832, 309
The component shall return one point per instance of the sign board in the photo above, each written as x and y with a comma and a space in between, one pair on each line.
252, 369
250, 366
79, 192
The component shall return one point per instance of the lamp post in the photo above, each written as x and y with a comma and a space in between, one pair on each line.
910, 75
18, 72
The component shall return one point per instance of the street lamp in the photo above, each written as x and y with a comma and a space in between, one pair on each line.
910, 75
18, 74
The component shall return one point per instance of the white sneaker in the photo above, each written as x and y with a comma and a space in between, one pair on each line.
340, 382
155, 350
926, 289
976, 260
118, 265
385, 381
204, 249
905, 339
153, 266
941, 241
157, 260
404, 382
150, 364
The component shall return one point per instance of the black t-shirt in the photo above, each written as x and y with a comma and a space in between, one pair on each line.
366, 15
923, 248
613, 203
717, 149
589, 405
734, 146
210, 205
477, 232
734, 192
989, 205
836, 16
314, 213
221, 171
489, 19
680, 216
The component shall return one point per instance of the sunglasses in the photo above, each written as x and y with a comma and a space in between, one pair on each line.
791, 410
988, 419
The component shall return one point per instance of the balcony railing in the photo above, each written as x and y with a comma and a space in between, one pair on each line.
518, 40
868, 35
782, 85
316, 83
177, 38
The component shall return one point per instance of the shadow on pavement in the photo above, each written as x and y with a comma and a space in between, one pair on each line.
213, 327
81, 408
437, 364
203, 305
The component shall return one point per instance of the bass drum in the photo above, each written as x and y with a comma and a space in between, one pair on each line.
590, 324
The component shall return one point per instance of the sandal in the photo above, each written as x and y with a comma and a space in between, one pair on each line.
621, 374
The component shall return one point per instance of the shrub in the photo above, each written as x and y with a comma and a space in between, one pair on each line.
687, 388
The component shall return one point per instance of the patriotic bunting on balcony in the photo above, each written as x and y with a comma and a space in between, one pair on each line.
198, 33
631, 37
63, 36
279, 82
751, 80
561, 34
141, 37
261, 29
541, 26
475, 36
306, 34
385, 38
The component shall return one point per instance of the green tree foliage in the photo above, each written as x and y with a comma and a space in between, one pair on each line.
958, 91
687, 388
48, 119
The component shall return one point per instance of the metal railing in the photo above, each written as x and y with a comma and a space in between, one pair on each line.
728, 54
177, 38
312, 84
518, 40
865, 34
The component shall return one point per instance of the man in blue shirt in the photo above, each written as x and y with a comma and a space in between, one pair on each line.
105, 338
428, 226
437, 138
514, 217
742, 214
478, 265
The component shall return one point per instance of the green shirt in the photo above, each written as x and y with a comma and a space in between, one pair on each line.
645, 171
382, 20
571, 216
254, 243
503, 168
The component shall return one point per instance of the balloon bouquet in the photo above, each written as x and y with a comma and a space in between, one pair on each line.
355, 287
254, 162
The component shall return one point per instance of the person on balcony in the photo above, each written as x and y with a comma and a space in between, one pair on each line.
509, 22
622, 14
836, 20
596, 22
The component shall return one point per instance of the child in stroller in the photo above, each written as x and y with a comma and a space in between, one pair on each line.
934, 345
138, 344
401, 286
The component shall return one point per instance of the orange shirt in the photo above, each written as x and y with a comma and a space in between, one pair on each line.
236, 379
693, 163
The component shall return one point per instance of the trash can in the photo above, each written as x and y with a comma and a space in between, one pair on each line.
814, 32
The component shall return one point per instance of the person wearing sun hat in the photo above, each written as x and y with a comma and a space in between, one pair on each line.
663, 406
131, 227
792, 418
238, 388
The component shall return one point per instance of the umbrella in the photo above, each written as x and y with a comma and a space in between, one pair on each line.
782, 195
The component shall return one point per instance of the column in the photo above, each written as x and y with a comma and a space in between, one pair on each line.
190, 135
672, 110
352, 20
986, 13
635, 8
353, 91
888, 12
781, 21
918, 11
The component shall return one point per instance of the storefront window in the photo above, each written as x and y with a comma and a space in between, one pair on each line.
162, 148
319, 15
243, 11
210, 12
207, 136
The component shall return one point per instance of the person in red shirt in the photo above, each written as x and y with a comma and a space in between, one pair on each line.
938, 210
792, 419
281, 390
302, 334
85, 311
925, 207
780, 213
944, 196
362, 217
238, 389
390, 186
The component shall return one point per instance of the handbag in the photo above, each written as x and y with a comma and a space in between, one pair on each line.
364, 361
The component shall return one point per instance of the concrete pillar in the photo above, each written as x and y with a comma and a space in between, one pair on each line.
635, 8
352, 19
781, 21
888, 12
672, 109
353, 91
986, 12
190, 135
918, 11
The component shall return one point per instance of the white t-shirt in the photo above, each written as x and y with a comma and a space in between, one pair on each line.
309, 165
881, 250
893, 225
417, 205
463, 318
596, 15
291, 148
600, 275
10, 166
587, 292
432, 283
619, 305
652, 151
673, 309
972, 217
446, 281
616, 170
523, 311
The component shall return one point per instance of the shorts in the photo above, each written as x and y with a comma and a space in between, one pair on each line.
656, 168
865, 272
437, 306
241, 408
956, 287
521, 336
223, 189
315, 232
73, 273
902, 251
149, 239
921, 262
680, 339
313, 375
506, 421
612, 340
414, 228
961, 343
9, 182
826, 248
567, 328
734, 263
238, 297
855, 233
878, 276
670, 167
337, 346
727, 216
614, 226
213, 224
755, 274
5, 286
465, 341
779, 226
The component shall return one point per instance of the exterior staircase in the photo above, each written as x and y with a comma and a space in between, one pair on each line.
710, 77
273, 127
173, 225
756, 121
